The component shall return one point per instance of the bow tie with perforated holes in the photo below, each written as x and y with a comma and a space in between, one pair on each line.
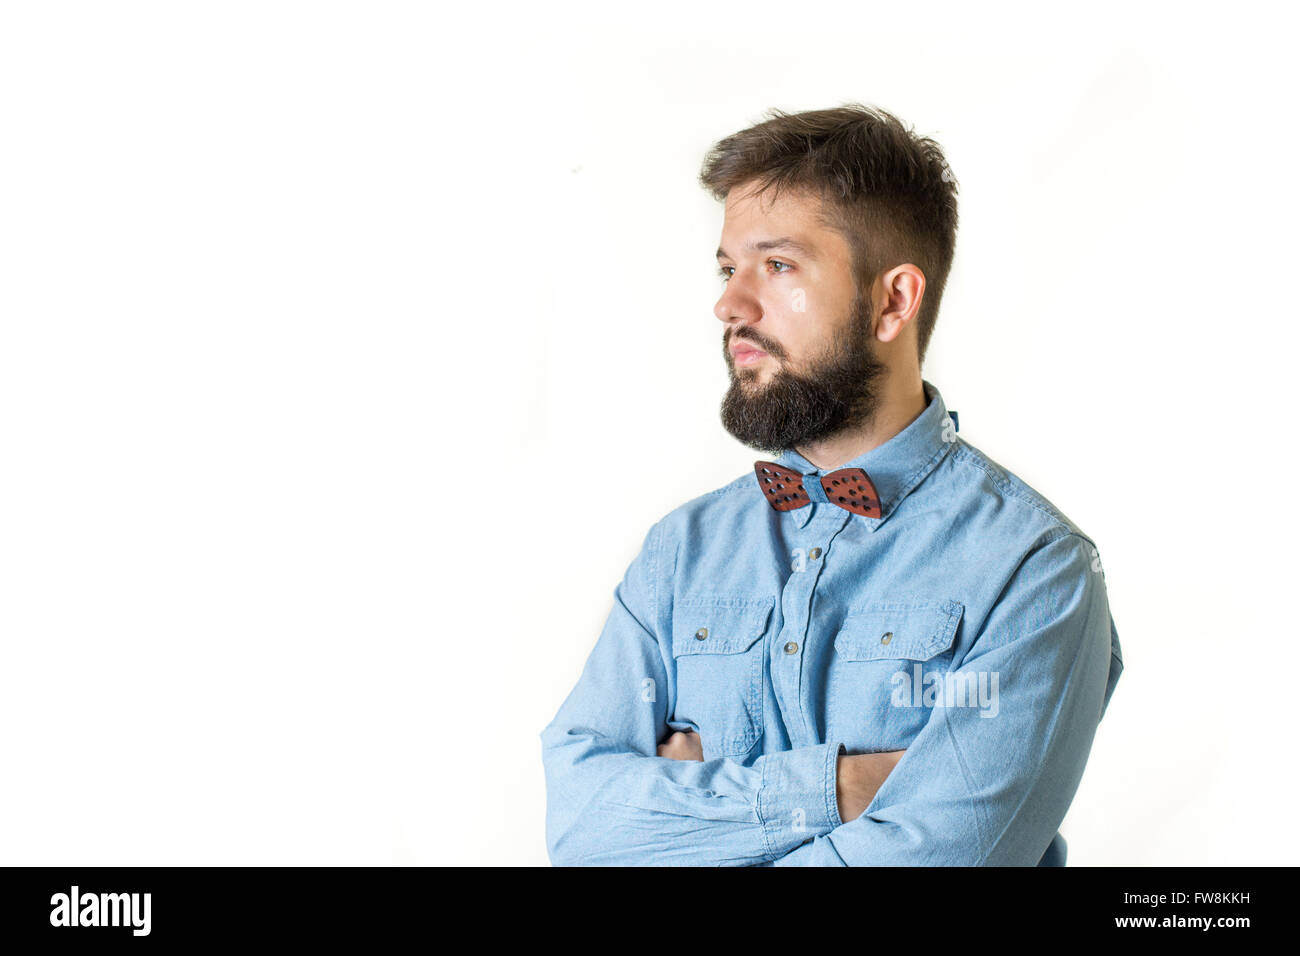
850, 488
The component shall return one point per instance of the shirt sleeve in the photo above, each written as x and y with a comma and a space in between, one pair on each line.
611, 801
989, 786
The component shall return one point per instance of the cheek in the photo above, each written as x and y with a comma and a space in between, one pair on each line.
799, 305
802, 340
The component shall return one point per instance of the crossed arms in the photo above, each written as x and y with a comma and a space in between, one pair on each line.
967, 791
857, 778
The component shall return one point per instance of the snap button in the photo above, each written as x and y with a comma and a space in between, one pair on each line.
815, 553
791, 647
702, 633
887, 637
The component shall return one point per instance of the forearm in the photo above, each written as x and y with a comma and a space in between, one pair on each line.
610, 807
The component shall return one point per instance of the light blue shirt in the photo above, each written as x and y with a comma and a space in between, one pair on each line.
968, 625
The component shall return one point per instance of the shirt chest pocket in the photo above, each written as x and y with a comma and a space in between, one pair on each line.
718, 652
888, 670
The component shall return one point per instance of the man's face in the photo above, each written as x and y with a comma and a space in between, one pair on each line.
791, 296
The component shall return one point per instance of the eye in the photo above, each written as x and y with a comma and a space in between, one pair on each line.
725, 271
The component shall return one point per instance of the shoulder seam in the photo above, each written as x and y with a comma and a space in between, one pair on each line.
968, 453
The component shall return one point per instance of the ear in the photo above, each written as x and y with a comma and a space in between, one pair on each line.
901, 291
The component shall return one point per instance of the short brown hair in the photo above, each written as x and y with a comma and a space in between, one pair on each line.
889, 192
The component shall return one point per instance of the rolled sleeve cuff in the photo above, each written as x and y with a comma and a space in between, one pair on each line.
797, 795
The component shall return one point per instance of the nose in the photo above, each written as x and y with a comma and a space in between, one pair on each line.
736, 305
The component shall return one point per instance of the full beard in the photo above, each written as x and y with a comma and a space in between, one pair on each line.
839, 391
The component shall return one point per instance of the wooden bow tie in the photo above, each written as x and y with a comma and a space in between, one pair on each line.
850, 488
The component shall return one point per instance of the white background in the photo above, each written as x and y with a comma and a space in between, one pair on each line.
314, 313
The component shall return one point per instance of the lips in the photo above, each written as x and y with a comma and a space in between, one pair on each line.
742, 353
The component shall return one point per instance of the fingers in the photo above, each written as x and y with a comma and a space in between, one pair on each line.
681, 745
673, 746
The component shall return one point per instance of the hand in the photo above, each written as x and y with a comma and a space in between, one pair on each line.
682, 746
858, 777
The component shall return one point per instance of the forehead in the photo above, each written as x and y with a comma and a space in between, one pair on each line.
754, 222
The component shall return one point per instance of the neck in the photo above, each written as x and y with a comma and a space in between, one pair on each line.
902, 400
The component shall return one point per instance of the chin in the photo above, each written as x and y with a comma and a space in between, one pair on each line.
748, 373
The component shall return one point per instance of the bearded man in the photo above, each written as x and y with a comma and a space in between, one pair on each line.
879, 646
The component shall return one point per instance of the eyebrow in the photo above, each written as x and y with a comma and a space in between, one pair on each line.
763, 245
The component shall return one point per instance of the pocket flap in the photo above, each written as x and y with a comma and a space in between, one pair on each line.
718, 624
891, 631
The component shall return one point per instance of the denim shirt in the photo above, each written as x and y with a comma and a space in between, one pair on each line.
967, 625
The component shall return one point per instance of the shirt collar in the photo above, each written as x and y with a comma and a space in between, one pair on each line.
897, 466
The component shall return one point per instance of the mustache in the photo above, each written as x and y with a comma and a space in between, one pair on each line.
753, 340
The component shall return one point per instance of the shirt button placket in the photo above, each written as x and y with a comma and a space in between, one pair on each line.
806, 566
787, 663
